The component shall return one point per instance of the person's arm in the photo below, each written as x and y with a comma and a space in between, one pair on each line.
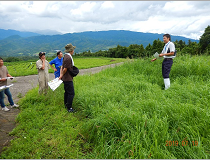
43, 64
51, 64
62, 72
2, 79
154, 59
8, 75
53, 68
167, 54
40, 64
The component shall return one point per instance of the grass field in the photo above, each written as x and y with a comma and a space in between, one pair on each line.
121, 113
29, 68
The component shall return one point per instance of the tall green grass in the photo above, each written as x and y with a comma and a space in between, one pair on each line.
121, 113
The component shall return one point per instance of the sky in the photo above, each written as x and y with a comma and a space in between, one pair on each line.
180, 18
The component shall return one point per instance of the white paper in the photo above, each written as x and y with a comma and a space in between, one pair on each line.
5, 87
55, 83
7, 78
156, 55
10, 77
2, 88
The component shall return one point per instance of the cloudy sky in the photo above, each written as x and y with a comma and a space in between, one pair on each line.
183, 18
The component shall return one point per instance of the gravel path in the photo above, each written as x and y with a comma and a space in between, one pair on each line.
21, 86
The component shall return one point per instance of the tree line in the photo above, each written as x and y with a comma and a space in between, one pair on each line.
135, 50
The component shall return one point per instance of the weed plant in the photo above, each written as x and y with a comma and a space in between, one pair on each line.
122, 113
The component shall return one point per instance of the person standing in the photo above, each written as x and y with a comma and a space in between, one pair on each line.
67, 78
43, 66
58, 61
3, 81
168, 53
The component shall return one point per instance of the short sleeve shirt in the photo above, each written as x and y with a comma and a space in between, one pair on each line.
67, 63
169, 46
3, 74
58, 63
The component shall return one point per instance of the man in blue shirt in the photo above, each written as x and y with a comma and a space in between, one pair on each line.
58, 61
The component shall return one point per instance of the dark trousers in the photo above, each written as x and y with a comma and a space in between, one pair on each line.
166, 67
69, 94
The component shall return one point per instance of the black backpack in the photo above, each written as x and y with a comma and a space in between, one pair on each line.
74, 72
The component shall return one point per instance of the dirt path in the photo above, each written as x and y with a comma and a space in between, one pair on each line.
21, 86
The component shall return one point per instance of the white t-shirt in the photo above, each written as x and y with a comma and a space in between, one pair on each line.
170, 45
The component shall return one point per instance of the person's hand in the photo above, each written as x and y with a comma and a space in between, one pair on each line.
43, 59
153, 59
55, 70
60, 77
3, 79
161, 55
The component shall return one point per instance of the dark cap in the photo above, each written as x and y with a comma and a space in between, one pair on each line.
41, 53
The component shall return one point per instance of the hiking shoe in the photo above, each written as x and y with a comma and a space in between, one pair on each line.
71, 110
14, 106
5, 109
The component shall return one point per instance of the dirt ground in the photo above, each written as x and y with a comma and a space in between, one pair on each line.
21, 86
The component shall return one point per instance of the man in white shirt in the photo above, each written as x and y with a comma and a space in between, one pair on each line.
168, 53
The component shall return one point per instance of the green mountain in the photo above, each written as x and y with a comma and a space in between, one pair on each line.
94, 41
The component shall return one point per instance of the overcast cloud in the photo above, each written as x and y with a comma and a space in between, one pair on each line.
182, 18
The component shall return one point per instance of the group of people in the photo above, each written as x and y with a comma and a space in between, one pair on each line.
64, 67
62, 70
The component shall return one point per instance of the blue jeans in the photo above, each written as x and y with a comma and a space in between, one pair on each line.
7, 92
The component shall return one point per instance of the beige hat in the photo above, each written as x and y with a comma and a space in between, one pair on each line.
69, 47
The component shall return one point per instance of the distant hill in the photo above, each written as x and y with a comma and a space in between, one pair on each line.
6, 33
93, 41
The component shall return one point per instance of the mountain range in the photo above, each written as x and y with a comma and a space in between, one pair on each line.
16, 43
6, 33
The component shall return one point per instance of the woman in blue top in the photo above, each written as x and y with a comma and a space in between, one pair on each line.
58, 61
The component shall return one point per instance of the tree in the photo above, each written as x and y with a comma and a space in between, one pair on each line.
192, 49
205, 39
141, 50
148, 50
160, 45
181, 44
